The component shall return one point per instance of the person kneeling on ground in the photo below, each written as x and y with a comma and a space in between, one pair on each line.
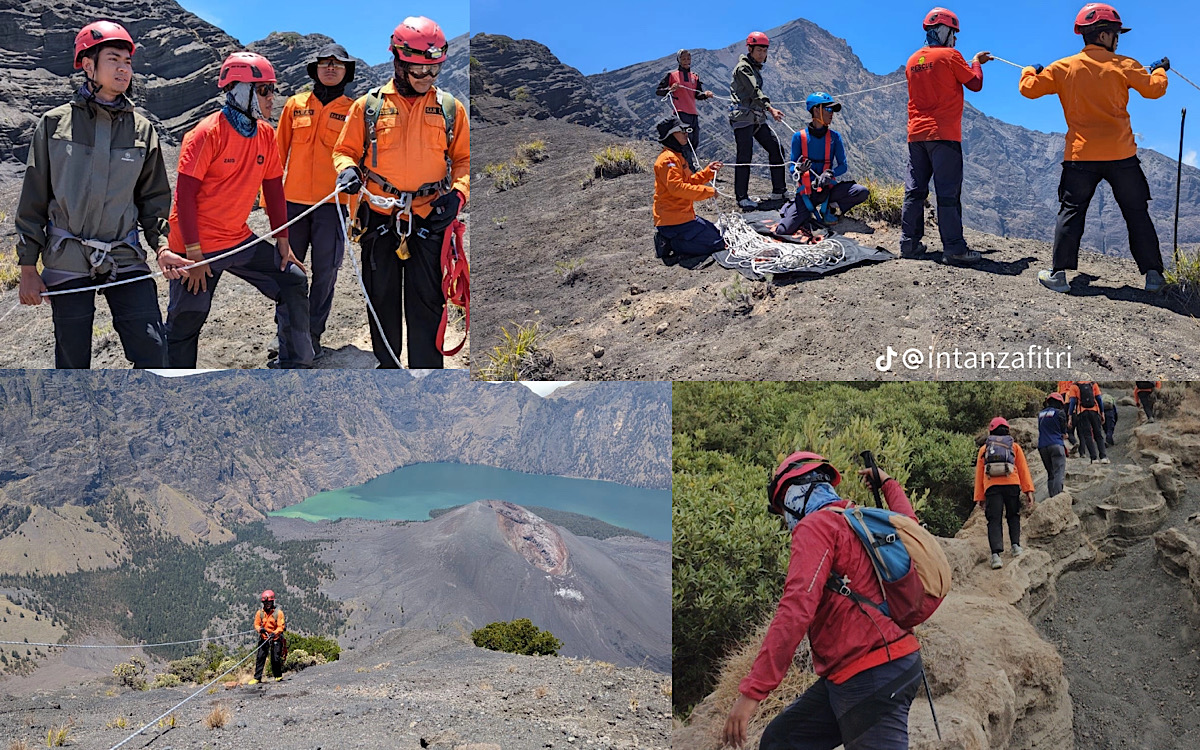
677, 186
869, 666
820, 158
1001, 475
268, 621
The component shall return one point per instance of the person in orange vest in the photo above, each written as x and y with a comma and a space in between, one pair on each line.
677, 186
1001, 476
685, 90
418, 149
222, 164
1145, 393
936, 76
268, 622
1073, 431
1093, 87
308, 129
1086, 411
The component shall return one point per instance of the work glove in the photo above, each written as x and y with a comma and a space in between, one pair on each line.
349, 180
826, 180
1164, 63
444, 210
803, 166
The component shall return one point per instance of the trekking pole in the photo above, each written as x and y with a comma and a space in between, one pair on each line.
929, 695
869, 462
1178, 179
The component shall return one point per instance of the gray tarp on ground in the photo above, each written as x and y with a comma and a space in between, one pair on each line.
764, 223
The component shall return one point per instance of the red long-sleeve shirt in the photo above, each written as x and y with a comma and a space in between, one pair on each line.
936, 77
845, 640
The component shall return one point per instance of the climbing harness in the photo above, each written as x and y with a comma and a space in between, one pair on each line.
806, 191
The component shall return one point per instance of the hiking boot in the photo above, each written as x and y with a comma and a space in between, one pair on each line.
917, 252
1055, 281
776, 196
1105, 460
968, 258
996, 562
279, 679
747, 204
1155, 282
252, 682
1017, 550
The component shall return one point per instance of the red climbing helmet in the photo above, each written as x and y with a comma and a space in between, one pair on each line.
1098, 13
793, 467
942, 17
268, 596
1054, 396
997, 422
245, 67
757, 39
419, 40
98, 33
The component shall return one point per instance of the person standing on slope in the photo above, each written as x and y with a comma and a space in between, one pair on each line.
410, 141
95, 172
1052, 431
869, 667
1084, 400
268, 622
1001, 476
936, 76
1110, 418
1093, 87
678, 230
748, 116
1145, 393
685, 89
222, 164
308, 129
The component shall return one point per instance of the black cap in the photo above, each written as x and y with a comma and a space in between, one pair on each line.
671, 125
337, 52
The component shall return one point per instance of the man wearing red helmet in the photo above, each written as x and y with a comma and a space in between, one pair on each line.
222, 164
1001, 475
95, 172
1093, 87
936, 76
869, 666
268, 622
748, 116
409, 141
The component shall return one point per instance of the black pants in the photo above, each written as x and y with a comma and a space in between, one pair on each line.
745, 137
1091, 434
404, 290
1054, 458
136, 319
692, 121
1110, 426
1129, 186
1146, 399
275, 649
1002, 501
941, 161
323, 230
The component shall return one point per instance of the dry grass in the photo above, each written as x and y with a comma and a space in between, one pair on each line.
532, 152
118, 723
18, 745
541, 691
615, 161
167, 722
506, 175
57, 736
10, 272
518, 356
1184, 274
569, 271
884, 204
217, 718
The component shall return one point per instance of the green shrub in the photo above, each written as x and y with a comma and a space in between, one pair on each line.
615, 161
188, 669
518, 356
506, 175
166, 680
521, 94
315, 645
517, 637
883, 204
298, 659
532, 152
132, 673
1184, 273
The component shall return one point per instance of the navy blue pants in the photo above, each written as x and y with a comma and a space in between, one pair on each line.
941, 161
795, 214
869, 711
1110, 425
744, 137
323, 231
697, 237
258, 265
1075, 190
1091, 434
136, 319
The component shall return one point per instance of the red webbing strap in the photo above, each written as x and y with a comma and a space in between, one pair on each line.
456, 284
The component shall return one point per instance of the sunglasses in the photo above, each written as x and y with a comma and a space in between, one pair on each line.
424, 71
330, 64
265, 89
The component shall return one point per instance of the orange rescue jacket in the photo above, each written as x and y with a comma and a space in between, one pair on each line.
1093, 88
1021, 476
1073, 393
411, 141
307, 133
677, 188
271, 624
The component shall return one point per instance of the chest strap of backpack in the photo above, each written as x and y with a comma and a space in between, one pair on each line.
371, 108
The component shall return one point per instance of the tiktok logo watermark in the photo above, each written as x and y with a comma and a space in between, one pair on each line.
1035, 358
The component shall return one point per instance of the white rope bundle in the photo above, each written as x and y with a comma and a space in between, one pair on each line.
749, 249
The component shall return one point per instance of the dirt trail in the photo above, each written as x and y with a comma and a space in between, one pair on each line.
1128, 640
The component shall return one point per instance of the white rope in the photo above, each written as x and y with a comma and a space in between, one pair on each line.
185, 700
14, 307
344, 219
137, 645
853, 93
749, 249
1007, 62
1185, 78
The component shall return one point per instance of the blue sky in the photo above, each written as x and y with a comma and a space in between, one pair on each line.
882, 34
363, 31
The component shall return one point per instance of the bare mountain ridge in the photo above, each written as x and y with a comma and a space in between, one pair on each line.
1011, 173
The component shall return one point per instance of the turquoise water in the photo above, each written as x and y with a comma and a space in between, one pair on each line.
410, 492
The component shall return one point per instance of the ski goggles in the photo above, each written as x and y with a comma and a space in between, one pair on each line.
424, 71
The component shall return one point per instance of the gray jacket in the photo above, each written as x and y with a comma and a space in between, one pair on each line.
749, 102
94, 173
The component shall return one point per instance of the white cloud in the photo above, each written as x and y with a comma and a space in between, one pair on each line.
1189, 158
